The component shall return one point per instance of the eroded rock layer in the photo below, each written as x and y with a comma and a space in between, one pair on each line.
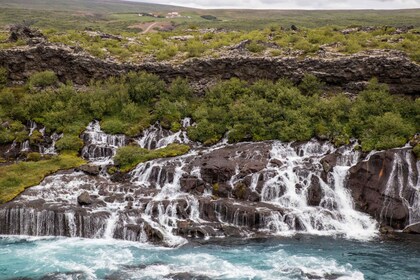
349, 72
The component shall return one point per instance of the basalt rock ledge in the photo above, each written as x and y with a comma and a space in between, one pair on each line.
348, 72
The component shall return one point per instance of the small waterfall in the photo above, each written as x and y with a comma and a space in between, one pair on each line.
404, 178
25, 146
99, 146
50, 149
290, 186
32, 127
156, 137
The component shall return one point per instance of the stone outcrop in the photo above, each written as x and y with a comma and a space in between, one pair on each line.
350, 72
385, 186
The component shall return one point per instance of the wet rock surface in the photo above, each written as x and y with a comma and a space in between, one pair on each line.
228, 190
386, 187
350, 72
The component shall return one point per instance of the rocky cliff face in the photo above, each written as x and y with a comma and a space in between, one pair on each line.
387, 186
350, 72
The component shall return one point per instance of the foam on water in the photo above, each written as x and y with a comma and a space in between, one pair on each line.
94, 259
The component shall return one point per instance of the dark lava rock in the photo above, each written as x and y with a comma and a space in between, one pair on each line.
391, 67
314, 192
413, 228
376, 193
24, 32
90, 169
84, 199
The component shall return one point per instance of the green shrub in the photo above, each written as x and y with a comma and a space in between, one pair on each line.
42, 79
113, 126
36, 137
310, 85
69, 143
255, 47
33, 157
143, 88
387, 131
209, 17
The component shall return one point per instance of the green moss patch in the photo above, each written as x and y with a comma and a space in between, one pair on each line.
128, 157
15, 178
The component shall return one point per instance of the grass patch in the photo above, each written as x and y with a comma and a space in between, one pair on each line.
15, 178
128, 157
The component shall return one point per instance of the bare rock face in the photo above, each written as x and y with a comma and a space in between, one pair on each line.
384, 186
84, 199
24, 32
414, 228
350, 72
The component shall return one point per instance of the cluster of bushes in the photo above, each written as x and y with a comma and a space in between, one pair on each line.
263, 110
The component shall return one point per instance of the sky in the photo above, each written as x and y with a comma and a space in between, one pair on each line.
289, 4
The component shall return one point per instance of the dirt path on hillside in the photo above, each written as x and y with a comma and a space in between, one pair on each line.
149, 27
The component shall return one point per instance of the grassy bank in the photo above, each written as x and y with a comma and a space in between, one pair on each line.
128, 157
15, 178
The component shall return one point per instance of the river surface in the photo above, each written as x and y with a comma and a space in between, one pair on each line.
299, 257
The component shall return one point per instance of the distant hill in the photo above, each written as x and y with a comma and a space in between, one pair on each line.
118, 16
96, 6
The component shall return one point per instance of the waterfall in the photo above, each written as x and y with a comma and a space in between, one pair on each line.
156, 137
404, 176
288, 187
244, 189
99, 146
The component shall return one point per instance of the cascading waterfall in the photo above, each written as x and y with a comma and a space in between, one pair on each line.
171, 199
45, 146
100, 147
397, 182
288, 186
156, 137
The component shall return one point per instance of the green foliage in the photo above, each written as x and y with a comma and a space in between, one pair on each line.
113, 126
310, 85
42, 79
33, 156
241, 111
15, 178
69, 143
386, 131
209, 17
143, 88
255, 47
128, 157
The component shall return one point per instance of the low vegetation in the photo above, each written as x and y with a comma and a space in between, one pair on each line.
263, 110
129, 156
15, 178
272, 41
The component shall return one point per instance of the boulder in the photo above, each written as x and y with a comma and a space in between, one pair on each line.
90, 169
413, 228
314, 195
84, 199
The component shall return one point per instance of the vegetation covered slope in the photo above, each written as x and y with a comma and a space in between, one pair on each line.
260, 111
